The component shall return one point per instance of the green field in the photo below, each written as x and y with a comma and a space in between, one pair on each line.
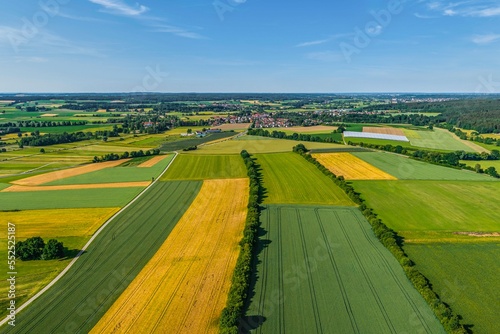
322, 270
466, 277
68, 129
83, 295
409, 169
185, 143
437, 139
256, 144
65, 199
380, 142
290, 179
423, 211
201, 167
484, 163
116, 174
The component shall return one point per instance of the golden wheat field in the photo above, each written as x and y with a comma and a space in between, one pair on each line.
351, 167
61, 174
184, 287
58, 222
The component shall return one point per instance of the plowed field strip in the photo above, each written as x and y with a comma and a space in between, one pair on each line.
184, 286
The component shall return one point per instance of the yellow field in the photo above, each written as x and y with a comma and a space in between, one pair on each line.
153, 161
491, 135
61, 174
17, 188
351, 167
56, 223
184, 287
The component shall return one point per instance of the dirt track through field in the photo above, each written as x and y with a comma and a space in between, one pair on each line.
62, 174
184, 287
19, 188
385, 131
153, 161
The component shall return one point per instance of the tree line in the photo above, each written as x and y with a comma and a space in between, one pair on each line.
294, 136
125, 155
389, 238
240, 283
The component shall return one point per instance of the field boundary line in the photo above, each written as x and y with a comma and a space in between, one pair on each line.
68, 267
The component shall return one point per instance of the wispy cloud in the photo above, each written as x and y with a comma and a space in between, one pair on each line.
322, 41
177, 31
318, 42
485, 39
31, 60
423, 16
44, 42
121, 8
471, 8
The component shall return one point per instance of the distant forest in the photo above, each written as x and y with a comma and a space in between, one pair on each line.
482, 115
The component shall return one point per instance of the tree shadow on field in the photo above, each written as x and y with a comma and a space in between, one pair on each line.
71, 253
262, 190
252, 322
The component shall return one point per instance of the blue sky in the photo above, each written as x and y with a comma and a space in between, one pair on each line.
249, 46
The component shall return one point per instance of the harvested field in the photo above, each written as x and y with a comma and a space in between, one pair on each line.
385, 131
237, 126
184, 287
351, 167
153, 161
53, 176
49, 115
18, 188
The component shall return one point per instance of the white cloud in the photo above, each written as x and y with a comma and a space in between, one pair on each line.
470, 8
318, 42
41, 41
118, 7
177, 31
485, 39
487, 12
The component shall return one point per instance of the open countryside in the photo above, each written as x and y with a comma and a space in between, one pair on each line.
184, 286
305, 232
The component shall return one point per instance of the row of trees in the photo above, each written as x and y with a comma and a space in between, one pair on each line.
240, 283
36, 249
294, 136
54, 138
41, 124
389, 238
125, 155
